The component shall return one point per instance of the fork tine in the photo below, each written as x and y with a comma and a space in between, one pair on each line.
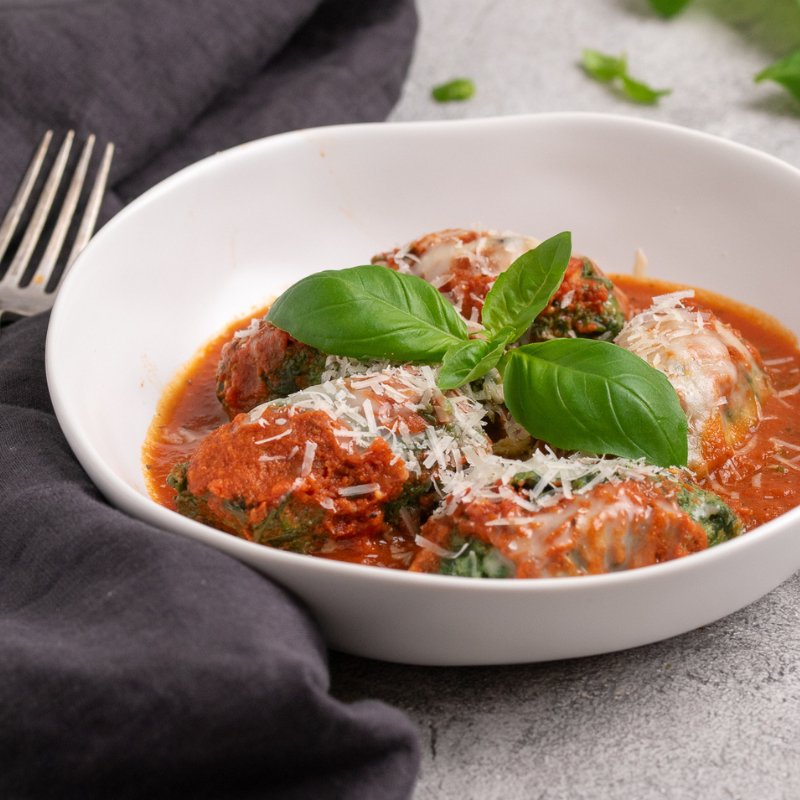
50, 256
23, 255
92, 207
14, 213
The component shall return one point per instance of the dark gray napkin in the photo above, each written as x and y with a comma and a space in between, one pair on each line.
134, 663
172, 82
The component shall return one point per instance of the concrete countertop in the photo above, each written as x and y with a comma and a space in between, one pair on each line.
711, 714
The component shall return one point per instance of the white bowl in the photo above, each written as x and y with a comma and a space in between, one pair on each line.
225, 235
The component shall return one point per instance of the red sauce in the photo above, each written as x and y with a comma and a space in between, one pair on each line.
760, 482
187, 413
190, 414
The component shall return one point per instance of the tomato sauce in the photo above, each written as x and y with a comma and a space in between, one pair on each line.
190, 410
761, 482
187, 413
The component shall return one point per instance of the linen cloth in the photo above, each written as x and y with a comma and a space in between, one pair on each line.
135, 663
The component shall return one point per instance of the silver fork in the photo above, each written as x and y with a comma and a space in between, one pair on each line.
37, 295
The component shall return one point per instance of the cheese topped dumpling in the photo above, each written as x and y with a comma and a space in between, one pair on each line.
262, 363
464, 264
717, 374
587, 304
461, 264
367, 460
569, 516
351, 458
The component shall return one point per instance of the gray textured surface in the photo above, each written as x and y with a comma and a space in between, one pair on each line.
711, 714
523, 56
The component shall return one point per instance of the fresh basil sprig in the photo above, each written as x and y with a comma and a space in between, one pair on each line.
576, 394
614, 69
584, 394
511, 305
370, 312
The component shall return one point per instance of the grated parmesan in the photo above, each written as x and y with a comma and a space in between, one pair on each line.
308, 458
274, 438
788, 392
362, 488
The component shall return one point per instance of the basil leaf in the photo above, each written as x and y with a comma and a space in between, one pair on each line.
640, 92
583, 394
472, 360
603, 67
369, 312
521, 292
786, 72
669, 8
456, 90
614, 69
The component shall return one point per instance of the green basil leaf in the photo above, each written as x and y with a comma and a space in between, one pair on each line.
640, 92
472, 360
614, 69
521, 292
456, 90
669, 8
369, 312
583, 394
603, 67
786, 72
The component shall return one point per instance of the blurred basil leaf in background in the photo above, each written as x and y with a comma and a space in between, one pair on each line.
603, 67
785, 71
669, 8
614, 70
453, 91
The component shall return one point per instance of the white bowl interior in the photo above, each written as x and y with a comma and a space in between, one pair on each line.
221, 238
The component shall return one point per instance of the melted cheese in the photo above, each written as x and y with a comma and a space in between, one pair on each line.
715, 374
489, 254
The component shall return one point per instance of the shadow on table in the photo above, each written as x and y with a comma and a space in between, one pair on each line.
721, 702
712, 655
772, 27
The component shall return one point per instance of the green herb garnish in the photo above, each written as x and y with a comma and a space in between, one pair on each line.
785, 71
596, 396
453, 91
521, 292
512, 304
370, 312
614, 70
577, 394
516, 298
669, 8
472, 360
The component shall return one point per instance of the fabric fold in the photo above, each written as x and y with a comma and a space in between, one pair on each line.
133, 662
170, 83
